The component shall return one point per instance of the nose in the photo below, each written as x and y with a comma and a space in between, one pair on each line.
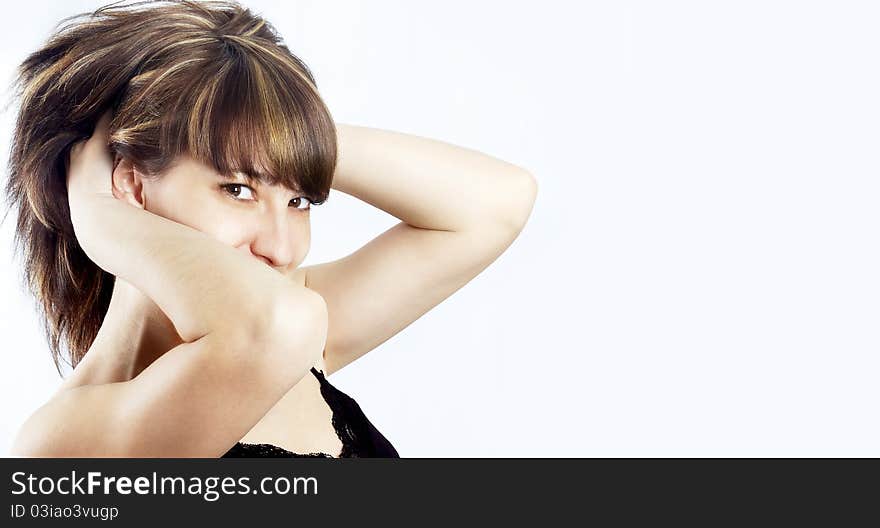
271, 241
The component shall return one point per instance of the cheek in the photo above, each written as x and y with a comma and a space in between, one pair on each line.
302, 239
227, 230
197, 212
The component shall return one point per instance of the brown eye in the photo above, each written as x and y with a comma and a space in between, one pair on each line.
235, 190
298, 202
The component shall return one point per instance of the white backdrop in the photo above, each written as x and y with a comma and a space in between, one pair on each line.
699, 275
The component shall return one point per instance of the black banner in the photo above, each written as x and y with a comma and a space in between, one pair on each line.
229, 492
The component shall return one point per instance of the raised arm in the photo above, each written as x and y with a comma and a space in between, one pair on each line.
247, 342
195, 279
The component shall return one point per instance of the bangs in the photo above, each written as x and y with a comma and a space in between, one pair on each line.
261, 119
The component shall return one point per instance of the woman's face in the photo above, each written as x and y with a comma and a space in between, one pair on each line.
269, 222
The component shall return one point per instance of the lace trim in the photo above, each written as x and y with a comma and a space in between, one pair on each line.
341, 408
345, 434
349, 422
245, 450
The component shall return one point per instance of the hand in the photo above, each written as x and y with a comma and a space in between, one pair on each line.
90, 186
90, 164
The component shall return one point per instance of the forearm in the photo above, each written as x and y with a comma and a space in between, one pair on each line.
428, 183
201, 284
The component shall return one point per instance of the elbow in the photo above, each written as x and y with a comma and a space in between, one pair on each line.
276, 345
519, 201
293, 336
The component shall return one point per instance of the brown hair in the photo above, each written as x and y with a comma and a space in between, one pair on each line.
207, 79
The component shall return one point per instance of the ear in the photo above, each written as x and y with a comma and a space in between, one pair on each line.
127, 182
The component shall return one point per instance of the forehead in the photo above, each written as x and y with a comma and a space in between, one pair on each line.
186, 167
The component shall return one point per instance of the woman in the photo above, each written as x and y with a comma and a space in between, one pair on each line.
164, 163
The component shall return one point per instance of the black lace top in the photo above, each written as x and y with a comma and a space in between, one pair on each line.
360, 439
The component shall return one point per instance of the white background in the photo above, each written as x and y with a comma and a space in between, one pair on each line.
700, 273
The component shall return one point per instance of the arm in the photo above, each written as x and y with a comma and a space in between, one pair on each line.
188, 274
196, 400
193, 278
459, 209
247, 342
431, 184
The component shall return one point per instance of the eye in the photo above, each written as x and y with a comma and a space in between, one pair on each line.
299, 201
235, 190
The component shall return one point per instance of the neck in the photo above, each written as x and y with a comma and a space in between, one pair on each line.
135, 332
